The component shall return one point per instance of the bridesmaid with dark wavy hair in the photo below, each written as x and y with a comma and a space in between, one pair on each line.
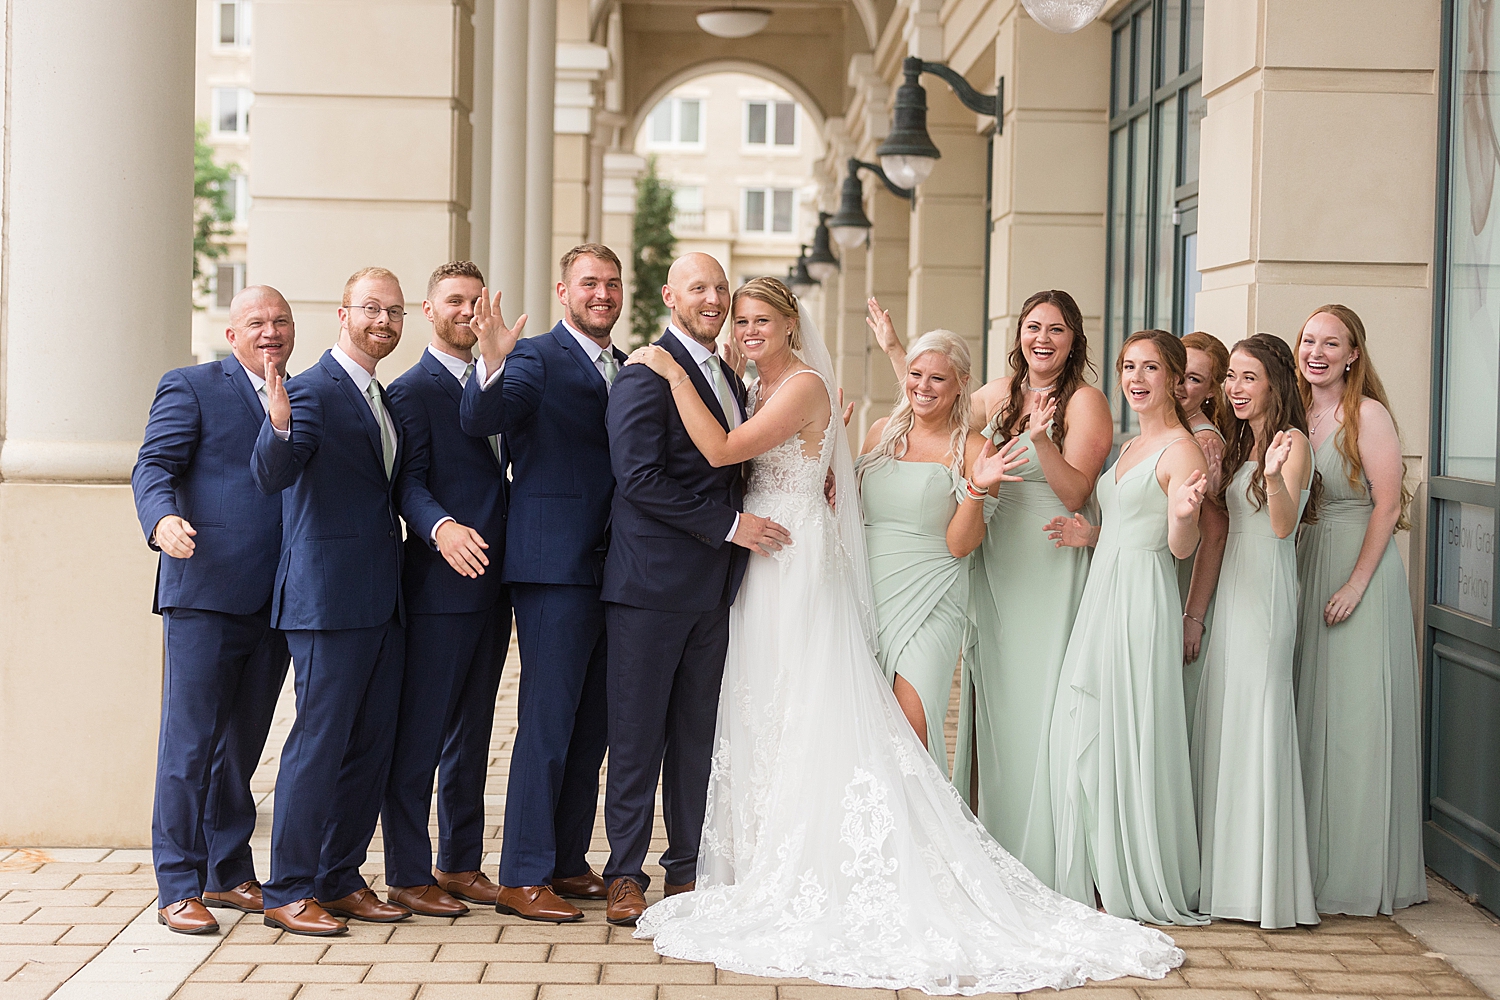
1025, 592
1247, 774
1356, 666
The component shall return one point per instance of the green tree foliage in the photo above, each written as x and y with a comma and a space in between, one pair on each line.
213, 208
652, 254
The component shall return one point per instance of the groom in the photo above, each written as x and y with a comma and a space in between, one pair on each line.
669, 579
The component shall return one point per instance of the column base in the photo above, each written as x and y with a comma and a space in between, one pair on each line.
80, 668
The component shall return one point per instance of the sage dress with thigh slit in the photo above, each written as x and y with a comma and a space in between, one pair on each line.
921, 589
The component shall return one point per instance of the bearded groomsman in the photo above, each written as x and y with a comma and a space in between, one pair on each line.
331, 445
452, 495
547, 395
219, 539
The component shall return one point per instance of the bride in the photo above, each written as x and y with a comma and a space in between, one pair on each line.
833, 847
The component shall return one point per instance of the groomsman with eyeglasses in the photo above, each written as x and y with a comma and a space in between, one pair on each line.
332, 449
547, 395
220, 540
452, 493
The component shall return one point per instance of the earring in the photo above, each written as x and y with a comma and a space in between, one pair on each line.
1347, 365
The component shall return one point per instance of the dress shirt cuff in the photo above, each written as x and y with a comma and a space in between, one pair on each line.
285, 435
733, 528
441, 521
487, 379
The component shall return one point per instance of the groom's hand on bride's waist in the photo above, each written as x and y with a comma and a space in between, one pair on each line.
760, 534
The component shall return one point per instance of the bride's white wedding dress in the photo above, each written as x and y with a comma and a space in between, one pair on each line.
833, 847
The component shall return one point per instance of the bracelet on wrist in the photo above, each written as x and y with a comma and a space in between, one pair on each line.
1192, 619
975, 493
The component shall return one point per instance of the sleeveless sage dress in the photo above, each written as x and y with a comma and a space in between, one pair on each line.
1024, 597
1357, 712
1192, 673
1247, 773
921, 590
1122, 794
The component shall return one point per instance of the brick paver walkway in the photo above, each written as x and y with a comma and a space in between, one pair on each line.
88, 915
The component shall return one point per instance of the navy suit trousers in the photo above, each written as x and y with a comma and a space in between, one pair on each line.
561, 726
447, 713
665, 669
221, 676
336, 759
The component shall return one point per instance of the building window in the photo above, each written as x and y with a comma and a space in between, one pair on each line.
232, 30
768, 210
676, 123
228, 280
771, 124
687, 209
1156, 110
239, 197
231, 110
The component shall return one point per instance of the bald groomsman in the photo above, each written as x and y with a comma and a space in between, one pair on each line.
332, 446
452, 495
219, 539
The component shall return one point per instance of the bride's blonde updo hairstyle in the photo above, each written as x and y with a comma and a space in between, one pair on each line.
776, 295
893, 437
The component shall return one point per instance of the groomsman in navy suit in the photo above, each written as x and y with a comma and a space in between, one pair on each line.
219, 539
452, 494
331, 447
547, 396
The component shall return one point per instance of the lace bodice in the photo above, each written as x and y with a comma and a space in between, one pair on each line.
785, 484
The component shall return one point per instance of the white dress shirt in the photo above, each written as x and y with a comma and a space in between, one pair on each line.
259, 385
362, 380
701, 356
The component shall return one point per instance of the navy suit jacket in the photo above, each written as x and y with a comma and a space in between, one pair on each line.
549, 404
672, 509
341, 542
195, 463
446, 473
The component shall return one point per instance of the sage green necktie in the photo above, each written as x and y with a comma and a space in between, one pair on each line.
387, 432
611, 367
721, 390
493, 439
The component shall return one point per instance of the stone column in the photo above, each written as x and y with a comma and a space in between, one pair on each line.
80, 652
507, 230
579, 65
482, 121
617, 228
886, 278
541, 66
359, 159
1049, 185
1280, 235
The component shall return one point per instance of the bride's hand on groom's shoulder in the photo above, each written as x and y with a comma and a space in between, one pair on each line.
657, 360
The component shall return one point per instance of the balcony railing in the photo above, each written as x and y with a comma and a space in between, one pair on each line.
688, 221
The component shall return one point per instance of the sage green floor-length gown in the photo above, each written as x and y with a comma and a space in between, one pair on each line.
1247, 773
921, 590
1192, 673
1122, 795
1024, 596
1357, 703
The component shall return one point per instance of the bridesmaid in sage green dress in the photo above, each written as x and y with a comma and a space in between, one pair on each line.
1122, 796
1202, 397
1356, 663
922, 519
1025, 591
1247, 773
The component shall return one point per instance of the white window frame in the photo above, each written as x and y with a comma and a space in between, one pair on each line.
770, 145
239, 281
768, 214
241, 25
245, 98
676, 143
239, 198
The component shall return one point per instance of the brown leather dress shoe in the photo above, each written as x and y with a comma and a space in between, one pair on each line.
304, 916
427, 900
536, 902
626, 902
589, 885
245, 897
363, 904
187, 916
668, 889
472, 887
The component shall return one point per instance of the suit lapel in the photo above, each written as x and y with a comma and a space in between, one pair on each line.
361, 404
444, 377
675, 347
235, 372
580, 356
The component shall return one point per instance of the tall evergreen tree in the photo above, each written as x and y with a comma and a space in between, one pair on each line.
652, 253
